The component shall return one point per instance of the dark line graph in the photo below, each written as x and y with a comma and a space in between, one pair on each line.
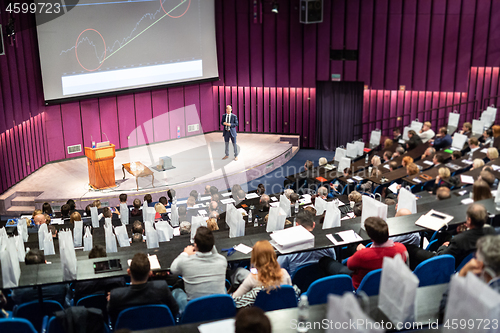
126, 40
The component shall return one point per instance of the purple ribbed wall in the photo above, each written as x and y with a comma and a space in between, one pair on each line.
268, 71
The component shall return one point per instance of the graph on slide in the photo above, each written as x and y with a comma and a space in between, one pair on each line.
99, 41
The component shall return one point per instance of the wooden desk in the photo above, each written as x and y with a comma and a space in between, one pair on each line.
140, 171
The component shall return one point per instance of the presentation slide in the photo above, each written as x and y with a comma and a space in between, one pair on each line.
103, 46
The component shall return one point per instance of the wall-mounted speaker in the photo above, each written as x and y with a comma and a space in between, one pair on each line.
311, 11
343, 54
2, 50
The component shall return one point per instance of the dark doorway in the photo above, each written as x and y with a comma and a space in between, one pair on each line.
339, 112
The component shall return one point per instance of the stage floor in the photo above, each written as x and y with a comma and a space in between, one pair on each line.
197, 161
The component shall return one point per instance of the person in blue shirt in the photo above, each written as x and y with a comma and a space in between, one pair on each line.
292, 261
443, 139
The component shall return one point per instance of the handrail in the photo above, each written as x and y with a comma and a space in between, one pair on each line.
424, 112
484, 105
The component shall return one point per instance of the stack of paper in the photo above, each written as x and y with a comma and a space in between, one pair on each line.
292, 239
345, 237
433, 220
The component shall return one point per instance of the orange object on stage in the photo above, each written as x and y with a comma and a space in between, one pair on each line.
101, 166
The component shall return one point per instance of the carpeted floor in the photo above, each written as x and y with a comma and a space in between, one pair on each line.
274, 180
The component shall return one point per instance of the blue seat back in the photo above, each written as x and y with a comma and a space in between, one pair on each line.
371, 283
305, 275
435, 270
145, 317
432, 246
18, 325
282, 297
212, 307
464, 261
97, 301
336, 284
53, 326
34, 311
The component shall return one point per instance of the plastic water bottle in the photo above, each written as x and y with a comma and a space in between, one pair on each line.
366, 159
296, 207
303, 314
470, 156
256, 222
199, 197
250, 215
178, 132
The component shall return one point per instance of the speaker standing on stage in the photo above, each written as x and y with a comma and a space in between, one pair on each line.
229, 121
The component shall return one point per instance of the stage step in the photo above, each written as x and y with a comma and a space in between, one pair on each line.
23, 201
20, 210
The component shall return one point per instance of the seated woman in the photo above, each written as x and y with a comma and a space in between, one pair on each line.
492, 153
265, 274
443, 173
406, 161
137, 210
481, 190
477, 163
161, 212
47, 209
334, 186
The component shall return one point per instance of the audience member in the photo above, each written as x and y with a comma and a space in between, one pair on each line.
47, 209
426, 133
492, 153
443, 193
322, 193
137, 227
252, 320
388, 143
496, 136
387, 155
267, 275
75, 216
487, 176
357, 209
393, 165
291, 262
212, 224
412, 169
194, 194
429, 152
164, 201
97, 286
201, 267
443, 139
460, 245
261, 189
477, 163
137, 210
137, 238
413, 238
443, 173
413, 140
140, 291
466, 129
322, 161
438, 159
40, 219
473, 144
207, 190
264, 202
481, 190
365, 260
65, 211
406, 161
355, 197
161, 212
294, 197
72, 205
398, 152
396, 134
487, 138
310, 210
214, 190
55, 292
486, 263
149, 199
456, 155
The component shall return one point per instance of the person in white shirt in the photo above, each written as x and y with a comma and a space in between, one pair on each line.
426, 133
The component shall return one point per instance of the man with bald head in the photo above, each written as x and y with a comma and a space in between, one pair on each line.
39, 219
413, 238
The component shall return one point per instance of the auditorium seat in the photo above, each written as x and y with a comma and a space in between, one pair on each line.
17, 325
435, 270
305, 275
34, 311
280, 298
335, 284
207, 308
371, 283
145, 317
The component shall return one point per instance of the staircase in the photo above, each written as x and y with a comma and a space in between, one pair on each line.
21, 203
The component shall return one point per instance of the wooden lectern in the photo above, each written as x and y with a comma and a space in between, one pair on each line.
101, 166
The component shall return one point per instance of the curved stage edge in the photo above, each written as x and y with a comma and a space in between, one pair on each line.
197, 162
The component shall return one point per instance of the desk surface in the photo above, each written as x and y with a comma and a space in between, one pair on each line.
428, 300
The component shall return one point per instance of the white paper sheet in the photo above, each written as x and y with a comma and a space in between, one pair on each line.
394, 187
349, 236
243, 248
252, 195
205, 198
428, 162
226, 194
274, 199
467, 179
226, 326
227, 201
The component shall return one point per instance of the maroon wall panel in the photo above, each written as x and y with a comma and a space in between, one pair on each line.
176, 111
90, 123
109, 120
407, 43
351, 38
126, 121
242, 45
337, 34
143, 116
